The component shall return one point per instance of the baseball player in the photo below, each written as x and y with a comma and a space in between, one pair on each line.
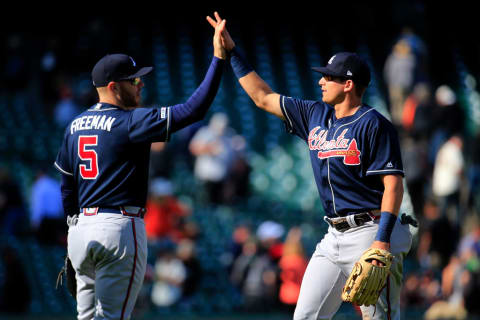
104, 164
357, 167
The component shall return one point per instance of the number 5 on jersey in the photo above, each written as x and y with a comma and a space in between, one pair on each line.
90, 170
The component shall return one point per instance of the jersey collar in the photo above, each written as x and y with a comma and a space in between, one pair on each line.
102, 106
363, 108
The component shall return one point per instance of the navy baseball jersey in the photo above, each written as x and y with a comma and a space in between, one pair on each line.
106, 149
347, 154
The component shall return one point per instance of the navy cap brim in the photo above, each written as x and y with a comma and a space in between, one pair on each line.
328, 72
140, 73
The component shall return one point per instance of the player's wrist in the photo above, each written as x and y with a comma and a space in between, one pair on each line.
385, 226
239, 63
220, 53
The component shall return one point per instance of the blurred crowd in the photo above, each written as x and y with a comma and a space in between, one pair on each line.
265, 263
441, 160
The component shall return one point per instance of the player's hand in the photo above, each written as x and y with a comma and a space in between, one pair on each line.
379, 245
218, 49
226, 41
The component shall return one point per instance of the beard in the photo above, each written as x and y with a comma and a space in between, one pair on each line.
129, 100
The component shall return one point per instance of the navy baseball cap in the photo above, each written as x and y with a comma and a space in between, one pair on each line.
116, 67
347, 65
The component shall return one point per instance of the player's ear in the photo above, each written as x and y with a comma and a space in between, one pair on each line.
348, 85
112, 86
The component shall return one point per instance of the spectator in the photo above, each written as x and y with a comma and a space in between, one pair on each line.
469, 253
420, 50
214, 153
255, 274
262, 279
452, 305
161, 162
411, 295
170, 275
447, 177
47, 217
417, 171
471, 283
242, 262
421, 290
399, 73
240, 235
451, 115
186, 253
49, 70
292, 267
260, 287
236, 186
417, 112
269, 233
66, 108
448, 118
473, 197
438, 238
165, 216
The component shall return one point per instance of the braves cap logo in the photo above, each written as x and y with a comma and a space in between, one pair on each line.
133, 62
331, 59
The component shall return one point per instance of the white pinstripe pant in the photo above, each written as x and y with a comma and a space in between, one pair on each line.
109, 254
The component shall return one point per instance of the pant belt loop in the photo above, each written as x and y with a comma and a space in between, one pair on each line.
139, 213
372, 215
327, 220
351, 221
90, 211
72, 220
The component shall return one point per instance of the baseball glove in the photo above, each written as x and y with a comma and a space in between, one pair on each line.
68, 272
366, 281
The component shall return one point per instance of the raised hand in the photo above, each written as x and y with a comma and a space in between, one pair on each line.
218, 48
226, 41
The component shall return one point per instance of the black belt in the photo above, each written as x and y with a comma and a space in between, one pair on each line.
343, 224
130, 211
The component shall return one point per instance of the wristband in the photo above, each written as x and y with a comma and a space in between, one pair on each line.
385, 226
239, 63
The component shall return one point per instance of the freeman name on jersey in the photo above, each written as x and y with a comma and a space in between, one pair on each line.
92, 122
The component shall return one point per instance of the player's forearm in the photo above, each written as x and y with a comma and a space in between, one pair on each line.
69, 195
197, 105
393, 194
391, 201
256, 88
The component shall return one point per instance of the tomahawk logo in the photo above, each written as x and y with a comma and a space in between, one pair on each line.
339, 147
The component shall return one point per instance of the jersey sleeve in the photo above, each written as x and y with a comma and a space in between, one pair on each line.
149, 124
297, 113
385, 156
63, 161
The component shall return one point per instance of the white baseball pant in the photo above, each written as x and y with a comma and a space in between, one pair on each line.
109, 254
331, 264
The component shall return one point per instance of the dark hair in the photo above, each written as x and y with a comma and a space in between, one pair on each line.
360, 88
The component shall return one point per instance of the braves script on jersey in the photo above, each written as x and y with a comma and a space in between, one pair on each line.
347, 154
105, 149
